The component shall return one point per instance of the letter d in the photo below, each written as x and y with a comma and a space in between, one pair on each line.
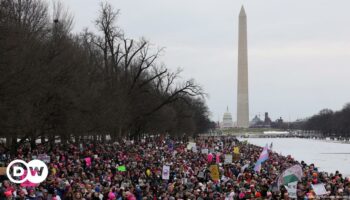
18, 171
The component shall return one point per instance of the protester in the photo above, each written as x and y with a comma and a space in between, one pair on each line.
133, 170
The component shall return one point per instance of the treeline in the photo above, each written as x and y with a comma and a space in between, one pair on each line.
57, 84
328, 123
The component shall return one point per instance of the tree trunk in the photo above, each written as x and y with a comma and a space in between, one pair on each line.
42, 139
64, 139
52, 139
32, 141
11, 140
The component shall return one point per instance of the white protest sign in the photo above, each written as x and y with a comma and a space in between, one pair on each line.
205, 151
228, 159
190, 145
319, 189
44, 157
194, 149
166, 172
201, 175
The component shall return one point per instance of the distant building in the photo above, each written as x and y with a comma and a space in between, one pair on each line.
267, 120
227, 120
256, 121
279, 121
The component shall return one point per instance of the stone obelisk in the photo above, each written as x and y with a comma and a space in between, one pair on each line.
242, 87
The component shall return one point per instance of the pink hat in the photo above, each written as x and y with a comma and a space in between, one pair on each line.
241, 195
111, 195
268, 194
8, 193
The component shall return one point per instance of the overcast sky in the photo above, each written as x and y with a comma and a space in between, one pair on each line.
298, 51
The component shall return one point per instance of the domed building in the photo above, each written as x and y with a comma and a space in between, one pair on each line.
227, 120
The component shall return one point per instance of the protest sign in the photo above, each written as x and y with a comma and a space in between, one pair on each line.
214, 172
228, 159
236, 150
194, 149
166, 172
45, 158
319, 189
121, 168
205, 151
190, 145
201, 175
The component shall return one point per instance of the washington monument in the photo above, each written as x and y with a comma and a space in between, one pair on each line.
242, 86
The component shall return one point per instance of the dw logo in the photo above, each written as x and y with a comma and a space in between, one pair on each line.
35, 171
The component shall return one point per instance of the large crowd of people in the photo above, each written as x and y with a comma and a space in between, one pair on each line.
132, 170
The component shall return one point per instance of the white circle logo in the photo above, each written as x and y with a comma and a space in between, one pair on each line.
35, 171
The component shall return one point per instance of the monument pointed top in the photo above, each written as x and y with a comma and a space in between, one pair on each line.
227, 108
242, 12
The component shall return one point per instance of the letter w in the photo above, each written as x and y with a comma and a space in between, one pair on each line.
36, 170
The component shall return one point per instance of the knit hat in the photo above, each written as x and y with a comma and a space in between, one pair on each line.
257, 194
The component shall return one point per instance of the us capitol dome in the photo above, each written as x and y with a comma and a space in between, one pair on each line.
227, 120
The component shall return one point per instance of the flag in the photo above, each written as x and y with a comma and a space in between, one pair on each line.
244, 167
121, 168
290, 175
262, 158
292, 189
166, 172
